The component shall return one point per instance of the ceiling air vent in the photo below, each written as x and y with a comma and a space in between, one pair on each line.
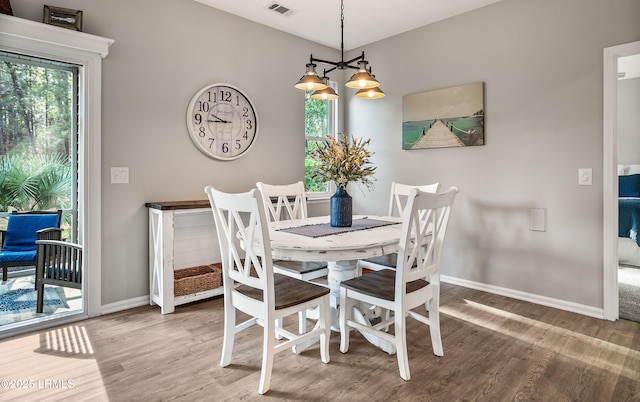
278, 8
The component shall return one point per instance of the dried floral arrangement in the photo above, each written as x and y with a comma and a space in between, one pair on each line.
342, 161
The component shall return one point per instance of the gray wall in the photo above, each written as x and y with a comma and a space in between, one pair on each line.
540, 60
542, 65
629, 121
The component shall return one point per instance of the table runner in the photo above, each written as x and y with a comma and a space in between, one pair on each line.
325, 229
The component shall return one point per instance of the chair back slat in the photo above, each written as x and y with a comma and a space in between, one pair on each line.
290, 201
400, 193
424, 226
60, 261
244, 239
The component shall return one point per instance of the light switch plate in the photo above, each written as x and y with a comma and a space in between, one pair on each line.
119, 175
585, 176
538, 219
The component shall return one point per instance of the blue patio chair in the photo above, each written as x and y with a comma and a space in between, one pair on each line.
18, 241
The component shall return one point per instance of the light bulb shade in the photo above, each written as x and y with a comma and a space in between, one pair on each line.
325, 94
310, 80
370, 93
362, 79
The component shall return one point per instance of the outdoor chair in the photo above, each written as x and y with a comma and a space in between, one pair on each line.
58, 263
18, 241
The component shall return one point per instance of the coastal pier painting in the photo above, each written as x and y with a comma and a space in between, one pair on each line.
449, 117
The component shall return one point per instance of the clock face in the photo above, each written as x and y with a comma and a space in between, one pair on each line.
222, 121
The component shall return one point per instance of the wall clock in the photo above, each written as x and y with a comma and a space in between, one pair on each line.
222, 121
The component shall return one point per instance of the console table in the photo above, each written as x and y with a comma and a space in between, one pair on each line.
181, 235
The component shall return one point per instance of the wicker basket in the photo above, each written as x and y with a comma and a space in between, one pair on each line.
197, 279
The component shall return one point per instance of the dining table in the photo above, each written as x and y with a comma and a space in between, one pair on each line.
314, 239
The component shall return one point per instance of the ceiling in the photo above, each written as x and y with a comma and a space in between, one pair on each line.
365, 21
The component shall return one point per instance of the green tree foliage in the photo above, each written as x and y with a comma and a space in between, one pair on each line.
316, 125
35, 136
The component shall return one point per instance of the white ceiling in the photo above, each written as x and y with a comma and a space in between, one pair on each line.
365, 21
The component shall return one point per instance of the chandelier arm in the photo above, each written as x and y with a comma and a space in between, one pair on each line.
333, 63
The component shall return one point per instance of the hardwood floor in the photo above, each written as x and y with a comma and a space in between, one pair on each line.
496, 349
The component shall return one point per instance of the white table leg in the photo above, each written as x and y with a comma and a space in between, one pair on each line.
339, 271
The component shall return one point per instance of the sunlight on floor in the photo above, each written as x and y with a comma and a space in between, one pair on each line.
495, 319
71, 339
66, 366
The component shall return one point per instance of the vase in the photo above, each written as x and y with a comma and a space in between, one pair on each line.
341, 208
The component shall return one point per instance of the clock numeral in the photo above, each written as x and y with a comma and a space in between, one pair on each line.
249, 124
211, 141
198, 118
225, 147
225, 96
201, 132
246, 135
245, 112
238, 144
203, 106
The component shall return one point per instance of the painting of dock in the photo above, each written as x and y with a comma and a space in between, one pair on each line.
449, 117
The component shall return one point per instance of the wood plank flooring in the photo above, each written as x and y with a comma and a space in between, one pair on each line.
496, 349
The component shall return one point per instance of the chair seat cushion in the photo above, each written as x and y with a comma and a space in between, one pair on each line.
17, 256
387, 260
63, 274
300, 267
381, 284
289, 291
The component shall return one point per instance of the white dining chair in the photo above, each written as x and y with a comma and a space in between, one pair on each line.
251, 286
285, 202
397, 202
415, 282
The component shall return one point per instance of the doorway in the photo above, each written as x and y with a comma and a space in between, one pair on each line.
610, 176
21, 36
38, 171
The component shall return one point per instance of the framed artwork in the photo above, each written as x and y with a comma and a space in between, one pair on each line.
449, 117
63, 17
5, 7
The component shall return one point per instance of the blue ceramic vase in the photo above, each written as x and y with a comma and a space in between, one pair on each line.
341, 208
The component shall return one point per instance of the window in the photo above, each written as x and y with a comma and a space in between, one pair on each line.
320, 120
38, 136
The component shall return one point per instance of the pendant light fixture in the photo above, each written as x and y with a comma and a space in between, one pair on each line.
361, 80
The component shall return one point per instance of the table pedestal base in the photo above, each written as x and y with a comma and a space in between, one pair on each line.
341, 271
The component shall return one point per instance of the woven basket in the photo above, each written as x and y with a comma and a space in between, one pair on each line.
197, 279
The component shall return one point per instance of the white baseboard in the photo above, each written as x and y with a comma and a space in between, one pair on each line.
514, 294
124, 305
528, 297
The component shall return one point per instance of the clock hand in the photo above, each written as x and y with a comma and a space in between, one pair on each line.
218, 120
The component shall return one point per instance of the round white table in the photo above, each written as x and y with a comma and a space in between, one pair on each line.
341, 251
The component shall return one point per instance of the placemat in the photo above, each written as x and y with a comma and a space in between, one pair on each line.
325, 229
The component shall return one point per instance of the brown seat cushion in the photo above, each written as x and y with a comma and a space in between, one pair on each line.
289, 291
300, 267
381, 284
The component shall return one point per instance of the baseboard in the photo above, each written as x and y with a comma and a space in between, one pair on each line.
514, 294
124, 305
528, 297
